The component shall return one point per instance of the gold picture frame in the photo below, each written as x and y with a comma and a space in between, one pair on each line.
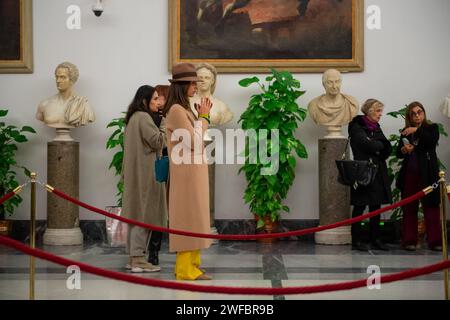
179, 18
18, 37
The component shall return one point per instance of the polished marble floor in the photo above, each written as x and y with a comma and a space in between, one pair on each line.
237, 264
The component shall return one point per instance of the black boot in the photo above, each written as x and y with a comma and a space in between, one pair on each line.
357, 232
379, 245
153, 257
154, 246
361, 246
375, 232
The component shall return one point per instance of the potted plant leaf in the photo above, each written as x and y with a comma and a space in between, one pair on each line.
113, 142
274, 108
116, 231
10, 137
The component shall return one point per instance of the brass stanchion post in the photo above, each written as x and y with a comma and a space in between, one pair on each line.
444, 228
32, 232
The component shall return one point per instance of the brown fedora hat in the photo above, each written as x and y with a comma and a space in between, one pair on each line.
184, 72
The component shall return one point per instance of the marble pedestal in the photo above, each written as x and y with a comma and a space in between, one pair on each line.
334, 198
63, 223
212, 186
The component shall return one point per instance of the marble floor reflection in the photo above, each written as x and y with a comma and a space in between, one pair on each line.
237, 264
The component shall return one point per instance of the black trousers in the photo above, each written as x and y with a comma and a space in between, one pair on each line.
374, 226
154, 245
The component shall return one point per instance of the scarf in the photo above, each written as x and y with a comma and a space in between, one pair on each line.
370, 125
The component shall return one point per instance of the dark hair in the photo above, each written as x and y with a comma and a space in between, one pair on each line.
162, 90
140, 102
177, 95
408, 120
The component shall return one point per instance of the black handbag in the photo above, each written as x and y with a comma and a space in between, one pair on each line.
355, 173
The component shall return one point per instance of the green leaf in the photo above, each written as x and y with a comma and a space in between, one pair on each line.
260, 224
3, 113
273, 123
300, 149
292, 162
442, 129
28, 129
249, 81
20, 138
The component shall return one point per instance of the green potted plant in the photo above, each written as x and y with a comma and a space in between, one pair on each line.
115, 141
394, 165
10, 137
274, 108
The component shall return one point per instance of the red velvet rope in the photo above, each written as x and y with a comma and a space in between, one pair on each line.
240, 237
220, 289
7, 196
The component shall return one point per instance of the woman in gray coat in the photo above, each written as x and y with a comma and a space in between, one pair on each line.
144, 199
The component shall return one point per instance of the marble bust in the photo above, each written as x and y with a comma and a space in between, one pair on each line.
445, 106
333, 109
220, 113
66, 109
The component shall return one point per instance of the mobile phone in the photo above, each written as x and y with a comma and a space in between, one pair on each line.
406, 141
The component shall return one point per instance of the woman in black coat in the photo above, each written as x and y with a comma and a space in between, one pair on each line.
369, 143
420, 169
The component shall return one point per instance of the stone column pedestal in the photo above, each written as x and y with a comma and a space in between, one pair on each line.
212, 187
63, 223
334, 198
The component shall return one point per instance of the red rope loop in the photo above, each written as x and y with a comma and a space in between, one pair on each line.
7, 196
240, 237
221, 289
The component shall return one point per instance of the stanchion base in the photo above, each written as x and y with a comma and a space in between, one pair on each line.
338, 236
214, 231
63, 237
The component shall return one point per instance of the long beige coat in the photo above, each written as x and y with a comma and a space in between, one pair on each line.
144, 198
189, 183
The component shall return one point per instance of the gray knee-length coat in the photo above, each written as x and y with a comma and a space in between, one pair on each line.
144, 198
189, 183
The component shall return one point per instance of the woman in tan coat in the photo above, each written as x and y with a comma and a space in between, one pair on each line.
144, 199
189, 189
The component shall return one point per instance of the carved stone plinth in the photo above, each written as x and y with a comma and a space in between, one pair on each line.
334, 198
63, 223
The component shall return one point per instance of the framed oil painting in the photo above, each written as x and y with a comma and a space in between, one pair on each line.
16, 39
255, 35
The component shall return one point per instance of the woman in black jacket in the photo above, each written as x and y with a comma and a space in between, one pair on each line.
420, 169
369, 143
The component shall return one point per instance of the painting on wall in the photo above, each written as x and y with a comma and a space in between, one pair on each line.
254, 35
16, 41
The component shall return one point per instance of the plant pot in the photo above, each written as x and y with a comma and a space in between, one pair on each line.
6, 227
269, 227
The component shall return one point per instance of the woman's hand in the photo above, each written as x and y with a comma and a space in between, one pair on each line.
409, 131
204, 107
407, 149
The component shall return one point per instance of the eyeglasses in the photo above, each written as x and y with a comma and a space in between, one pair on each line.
416, 114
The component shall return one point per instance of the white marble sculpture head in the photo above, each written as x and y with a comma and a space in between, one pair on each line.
65, 110
207, 73
445, 106
332, 82
333, 109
